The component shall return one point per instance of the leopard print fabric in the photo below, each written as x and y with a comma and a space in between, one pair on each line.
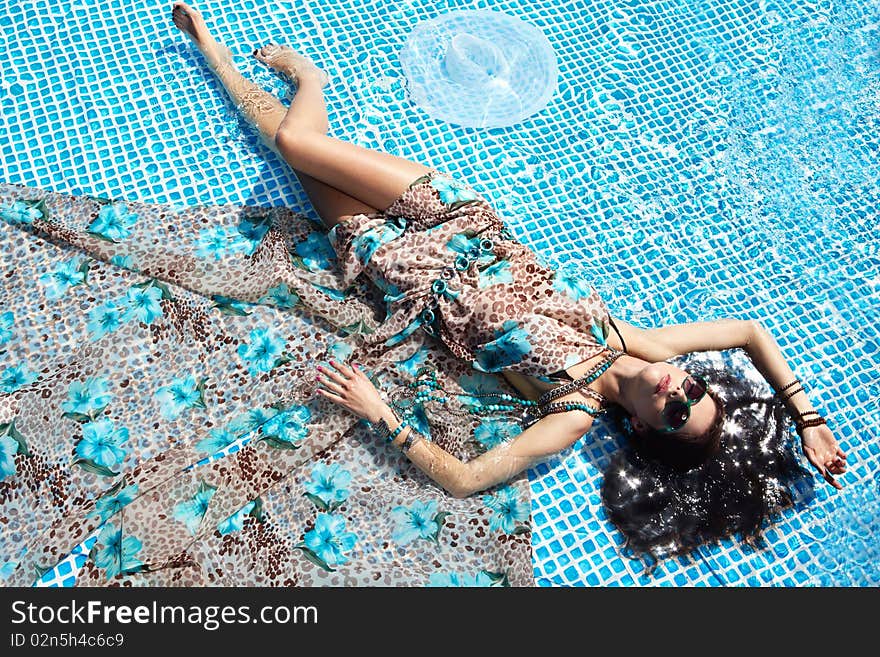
496, 304
158, 408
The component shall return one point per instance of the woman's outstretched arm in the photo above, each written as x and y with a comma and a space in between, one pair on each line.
819, 444
544, 438
351, 388
749, 335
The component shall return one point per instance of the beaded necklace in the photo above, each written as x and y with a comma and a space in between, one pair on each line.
532, 411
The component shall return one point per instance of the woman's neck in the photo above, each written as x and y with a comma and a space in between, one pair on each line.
614, 384
610, 384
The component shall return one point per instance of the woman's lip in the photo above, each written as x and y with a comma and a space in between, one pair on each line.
663, 384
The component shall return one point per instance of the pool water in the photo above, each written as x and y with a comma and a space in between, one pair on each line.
698, 160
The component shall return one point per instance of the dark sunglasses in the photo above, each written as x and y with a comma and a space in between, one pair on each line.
676, 412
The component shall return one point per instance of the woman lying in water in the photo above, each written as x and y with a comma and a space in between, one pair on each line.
709, 452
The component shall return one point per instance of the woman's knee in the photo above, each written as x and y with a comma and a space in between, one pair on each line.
291, 143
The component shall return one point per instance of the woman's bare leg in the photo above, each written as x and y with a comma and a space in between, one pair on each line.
375, 178
266, 112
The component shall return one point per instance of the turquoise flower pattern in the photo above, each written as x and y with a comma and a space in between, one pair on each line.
181, 394
478, 384
287, 428
114, 501
101, 443
16, 377
100, 449
190, 512
106, 318
571, 283
416, 361
418, 419
392, 292
340, 351
218, 439
87, 399
599, 330
7, 323
252, 232
143, 304
280, 296
69, 274
481, 384
118, 555
508, 511
333, 293
235, 522
124, 261
263, 352
480, 579
493, 432
452, 191
113, 222
316, 252
8, 450
7, 569
510, 346
328, 486
466, 245
18, 445
218, 242
22, 212
251, 419
496, 274
328, 543
365, 246
230, 306
420, 520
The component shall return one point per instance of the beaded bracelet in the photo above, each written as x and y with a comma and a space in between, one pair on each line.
393, 435
786, 387
791, 394
800, 425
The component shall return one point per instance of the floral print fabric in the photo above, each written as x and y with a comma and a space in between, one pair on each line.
157, 411
495, 304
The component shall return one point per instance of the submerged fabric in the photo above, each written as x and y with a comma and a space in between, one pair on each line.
158, 422
501, 308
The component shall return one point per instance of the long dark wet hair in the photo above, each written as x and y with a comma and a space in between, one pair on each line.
667, 497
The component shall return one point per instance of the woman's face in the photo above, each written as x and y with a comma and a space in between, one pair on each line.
659, 383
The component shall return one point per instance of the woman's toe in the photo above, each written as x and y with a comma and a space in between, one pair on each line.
262, 53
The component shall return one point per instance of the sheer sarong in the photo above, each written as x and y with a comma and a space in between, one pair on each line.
158, 422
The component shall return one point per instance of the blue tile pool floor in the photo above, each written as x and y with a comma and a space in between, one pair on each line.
698, 160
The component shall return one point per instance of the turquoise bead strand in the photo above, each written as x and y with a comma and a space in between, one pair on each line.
534, 410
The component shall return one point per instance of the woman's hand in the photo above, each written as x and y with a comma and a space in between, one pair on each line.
821, 449
350, 387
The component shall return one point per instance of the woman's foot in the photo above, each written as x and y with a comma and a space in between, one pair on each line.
190, 22
290, 62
